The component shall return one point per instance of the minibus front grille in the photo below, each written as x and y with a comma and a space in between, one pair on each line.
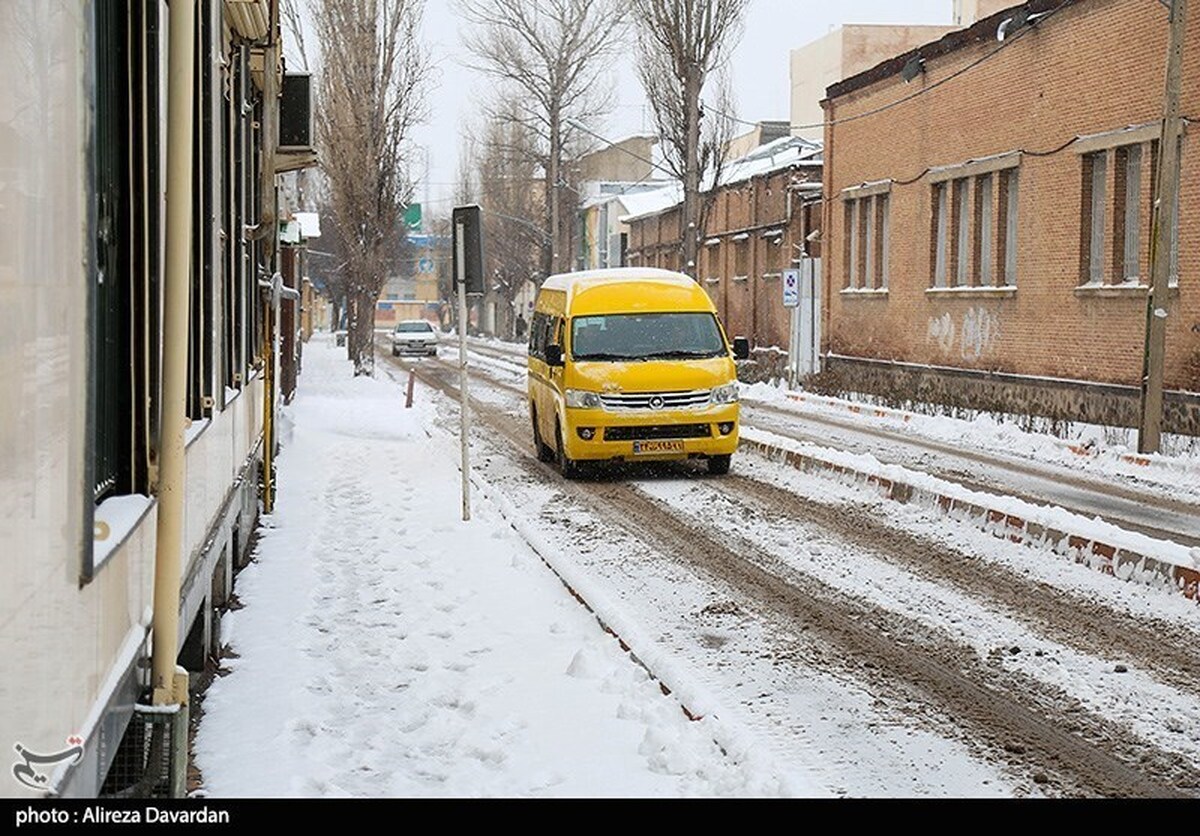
656, 400
656, 432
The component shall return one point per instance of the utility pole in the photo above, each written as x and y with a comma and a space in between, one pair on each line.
1162, 233
691, 189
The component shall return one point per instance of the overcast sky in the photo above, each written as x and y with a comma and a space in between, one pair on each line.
759, 69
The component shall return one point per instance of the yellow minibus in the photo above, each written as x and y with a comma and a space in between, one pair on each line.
631, 364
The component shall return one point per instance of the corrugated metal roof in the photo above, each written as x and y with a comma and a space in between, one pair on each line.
785, 152
249, 18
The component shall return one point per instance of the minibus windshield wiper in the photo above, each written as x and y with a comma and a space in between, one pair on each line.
599, 355
681, 353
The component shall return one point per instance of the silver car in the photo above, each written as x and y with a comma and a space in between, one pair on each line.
414, 336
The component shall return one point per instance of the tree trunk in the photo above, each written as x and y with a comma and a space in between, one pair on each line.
360, 340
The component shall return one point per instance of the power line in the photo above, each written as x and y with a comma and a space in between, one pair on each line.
1003, 45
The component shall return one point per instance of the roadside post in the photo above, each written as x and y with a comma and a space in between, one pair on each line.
791, 299
468, 278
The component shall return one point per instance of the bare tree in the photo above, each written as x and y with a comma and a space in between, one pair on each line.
549, 55
681, 44
373, 71
510, 214
293, 21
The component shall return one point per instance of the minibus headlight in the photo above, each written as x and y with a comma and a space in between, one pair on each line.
579, 399
725, 394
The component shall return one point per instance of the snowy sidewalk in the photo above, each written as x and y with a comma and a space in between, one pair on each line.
386, 648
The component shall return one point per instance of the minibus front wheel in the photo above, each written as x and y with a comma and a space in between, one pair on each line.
544, 453
569, 467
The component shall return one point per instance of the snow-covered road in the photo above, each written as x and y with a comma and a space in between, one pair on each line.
832, 643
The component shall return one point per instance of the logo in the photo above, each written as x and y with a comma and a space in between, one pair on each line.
656, 402
28, 776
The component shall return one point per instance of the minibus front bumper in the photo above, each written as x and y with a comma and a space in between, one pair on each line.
651, 435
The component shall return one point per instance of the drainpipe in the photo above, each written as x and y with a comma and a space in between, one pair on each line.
275, 291
268, 233
176, 292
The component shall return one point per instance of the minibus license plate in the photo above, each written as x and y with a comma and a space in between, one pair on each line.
650, 447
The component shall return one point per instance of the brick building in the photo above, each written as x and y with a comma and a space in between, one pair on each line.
766, 207
990, 216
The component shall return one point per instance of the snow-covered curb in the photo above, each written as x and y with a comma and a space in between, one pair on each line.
1116, 552
986, 431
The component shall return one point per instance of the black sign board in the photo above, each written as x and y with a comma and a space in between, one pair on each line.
468, 226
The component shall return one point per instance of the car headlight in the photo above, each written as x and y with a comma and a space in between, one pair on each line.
579, 399
725, 394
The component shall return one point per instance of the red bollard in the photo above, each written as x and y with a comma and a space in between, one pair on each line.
412, 377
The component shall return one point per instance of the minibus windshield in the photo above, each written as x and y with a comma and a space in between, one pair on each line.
646, 336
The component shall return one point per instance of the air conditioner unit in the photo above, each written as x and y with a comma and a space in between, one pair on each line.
296, 113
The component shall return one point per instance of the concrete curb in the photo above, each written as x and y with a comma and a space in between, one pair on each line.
1104, 557
905, 417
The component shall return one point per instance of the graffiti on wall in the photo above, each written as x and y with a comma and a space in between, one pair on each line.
974, 337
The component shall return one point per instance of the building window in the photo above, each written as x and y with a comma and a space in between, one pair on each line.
851, 251
773, 260
1113, 188
941, 223
1008, 229
882, 205
973, 230
1095, 174
741, 256
125, 190
1173, 235
985, 240
712, 261
960, 212
867, 231
200, 313
1129, 167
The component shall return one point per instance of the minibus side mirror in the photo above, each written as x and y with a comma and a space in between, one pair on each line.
741, 348
554, 355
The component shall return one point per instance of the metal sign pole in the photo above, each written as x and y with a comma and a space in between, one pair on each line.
464, 401
791, 299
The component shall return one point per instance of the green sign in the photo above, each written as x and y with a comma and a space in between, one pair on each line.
412, 216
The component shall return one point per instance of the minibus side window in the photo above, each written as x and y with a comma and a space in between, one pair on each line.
537, 333
547, 334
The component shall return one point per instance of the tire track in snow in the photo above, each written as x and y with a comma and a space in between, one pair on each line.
1009, 719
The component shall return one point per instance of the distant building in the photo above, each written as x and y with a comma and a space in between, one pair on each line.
414, 292
987, 242
966, 12
844, 52
759, 135
604, 236
627, 160
765, 217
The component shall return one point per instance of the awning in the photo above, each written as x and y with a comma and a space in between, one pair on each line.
250, 19
295, 160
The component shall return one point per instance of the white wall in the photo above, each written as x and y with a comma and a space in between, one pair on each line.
62, 643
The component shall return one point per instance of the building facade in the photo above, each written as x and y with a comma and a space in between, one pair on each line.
989, 219
844, 52
82, 191
764, 218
